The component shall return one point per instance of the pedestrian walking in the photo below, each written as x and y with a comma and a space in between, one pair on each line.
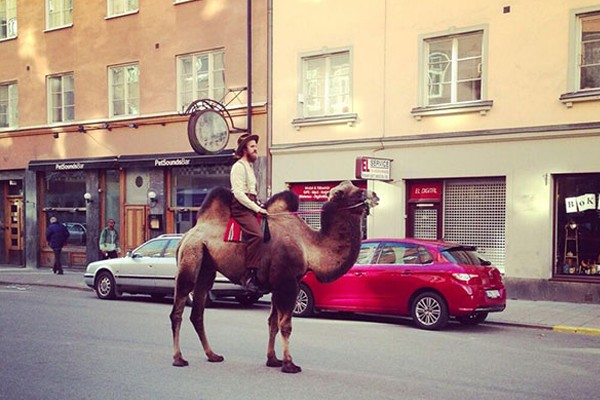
56, 236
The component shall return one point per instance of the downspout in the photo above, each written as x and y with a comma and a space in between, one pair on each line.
269, 95
249, 62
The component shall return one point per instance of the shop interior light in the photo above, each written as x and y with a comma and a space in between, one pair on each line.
88, 198
152, 198
572, 225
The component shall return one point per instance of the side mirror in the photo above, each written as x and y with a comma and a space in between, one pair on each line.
128, 253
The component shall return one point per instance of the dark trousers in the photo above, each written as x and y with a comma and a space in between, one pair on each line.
57, 263
250, 226
110, 254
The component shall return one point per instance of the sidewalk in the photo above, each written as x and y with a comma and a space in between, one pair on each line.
558, 316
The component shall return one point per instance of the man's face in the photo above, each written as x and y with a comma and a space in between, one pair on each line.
111, 224
252, 151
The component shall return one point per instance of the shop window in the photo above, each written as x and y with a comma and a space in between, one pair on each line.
577, 225
189, 188
63, 199
112, 194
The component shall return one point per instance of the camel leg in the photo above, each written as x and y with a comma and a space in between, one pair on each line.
182, 288
272, 360
285, 327
203, 285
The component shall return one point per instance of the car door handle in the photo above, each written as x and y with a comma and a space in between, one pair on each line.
407, 272
359, 274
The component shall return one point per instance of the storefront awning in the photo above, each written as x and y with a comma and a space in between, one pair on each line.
74, 164
132, 161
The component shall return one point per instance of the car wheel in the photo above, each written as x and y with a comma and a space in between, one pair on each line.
429, 311
105, 286
247, 299
305, 303
473, 319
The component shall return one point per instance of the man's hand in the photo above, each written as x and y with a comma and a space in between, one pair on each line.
263, 211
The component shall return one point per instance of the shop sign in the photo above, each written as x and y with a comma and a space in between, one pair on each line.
373, 168
68, 166
316, 191
177, 162
582, 203
426, 191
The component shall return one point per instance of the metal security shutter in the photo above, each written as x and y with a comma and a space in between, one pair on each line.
425, 225
475, 214
312, 219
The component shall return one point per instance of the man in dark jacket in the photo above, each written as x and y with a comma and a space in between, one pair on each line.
57, 235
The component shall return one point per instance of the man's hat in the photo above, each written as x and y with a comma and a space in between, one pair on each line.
242, 142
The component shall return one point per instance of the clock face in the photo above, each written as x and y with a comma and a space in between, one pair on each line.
208, 132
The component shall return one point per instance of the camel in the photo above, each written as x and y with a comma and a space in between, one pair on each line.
294, 248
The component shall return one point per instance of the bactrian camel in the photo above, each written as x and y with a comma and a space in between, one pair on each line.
294, 249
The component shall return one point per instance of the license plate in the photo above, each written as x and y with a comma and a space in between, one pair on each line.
492, 294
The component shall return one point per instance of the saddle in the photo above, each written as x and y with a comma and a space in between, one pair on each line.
234, 233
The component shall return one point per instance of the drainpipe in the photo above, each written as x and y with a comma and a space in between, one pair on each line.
249, 62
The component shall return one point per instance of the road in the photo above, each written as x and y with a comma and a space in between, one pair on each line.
66, 344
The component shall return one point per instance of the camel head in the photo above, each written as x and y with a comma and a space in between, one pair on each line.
346, 195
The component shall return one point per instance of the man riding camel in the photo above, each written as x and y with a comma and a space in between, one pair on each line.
244, 206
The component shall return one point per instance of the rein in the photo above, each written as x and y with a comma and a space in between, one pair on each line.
364, 202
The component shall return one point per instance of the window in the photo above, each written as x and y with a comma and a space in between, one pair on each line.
8, 19
454, 68
124, 90
200, 76
8, 105
589, 52
59, 13
61, 98
119, 7
154, 248
326, 84
402, 254
577, 225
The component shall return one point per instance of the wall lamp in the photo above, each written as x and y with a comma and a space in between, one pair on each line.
152, 198
106, 126
55, 135
81, 129
88, 198
134, 126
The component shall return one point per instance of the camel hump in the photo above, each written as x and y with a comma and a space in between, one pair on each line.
283, 201
218, 197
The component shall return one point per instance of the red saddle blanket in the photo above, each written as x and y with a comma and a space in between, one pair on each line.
234, 233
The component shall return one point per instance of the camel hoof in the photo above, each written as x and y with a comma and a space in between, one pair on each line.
180, 362
274, 362
290, 368
215, 358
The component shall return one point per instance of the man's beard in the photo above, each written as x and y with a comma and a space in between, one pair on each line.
252, 157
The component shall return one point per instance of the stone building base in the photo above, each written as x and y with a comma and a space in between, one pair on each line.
552, 290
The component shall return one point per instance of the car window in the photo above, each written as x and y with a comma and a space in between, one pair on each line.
170, 250
398, 254
425, 256
151, 249
366, 253
463, 255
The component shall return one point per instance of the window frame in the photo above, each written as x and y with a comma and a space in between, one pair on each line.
63, 94
10, 23
424, 108
212, 89
12, 105
65, 12
127, 10
574, 92
127, 99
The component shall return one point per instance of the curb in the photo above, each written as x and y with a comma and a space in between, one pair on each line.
575, 329
83, 289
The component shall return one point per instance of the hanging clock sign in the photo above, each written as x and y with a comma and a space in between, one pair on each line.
208, 131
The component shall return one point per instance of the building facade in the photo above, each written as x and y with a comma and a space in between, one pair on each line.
95, 100
475, 122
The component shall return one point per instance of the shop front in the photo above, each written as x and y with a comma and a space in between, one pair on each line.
577, 227
146, 196
11, 219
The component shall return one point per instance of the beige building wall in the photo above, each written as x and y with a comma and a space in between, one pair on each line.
527, 136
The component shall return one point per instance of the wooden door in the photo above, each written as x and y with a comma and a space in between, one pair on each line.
136, 231
14, 224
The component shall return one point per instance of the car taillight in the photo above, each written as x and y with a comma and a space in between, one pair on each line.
467, 278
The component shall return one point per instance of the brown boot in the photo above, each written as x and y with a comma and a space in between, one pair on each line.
250, 281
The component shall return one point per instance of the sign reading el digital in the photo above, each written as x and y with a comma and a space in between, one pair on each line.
373, 168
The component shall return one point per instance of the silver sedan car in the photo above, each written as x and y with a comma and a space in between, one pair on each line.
150, 269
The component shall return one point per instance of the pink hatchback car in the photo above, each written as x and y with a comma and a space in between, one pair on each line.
429, 281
